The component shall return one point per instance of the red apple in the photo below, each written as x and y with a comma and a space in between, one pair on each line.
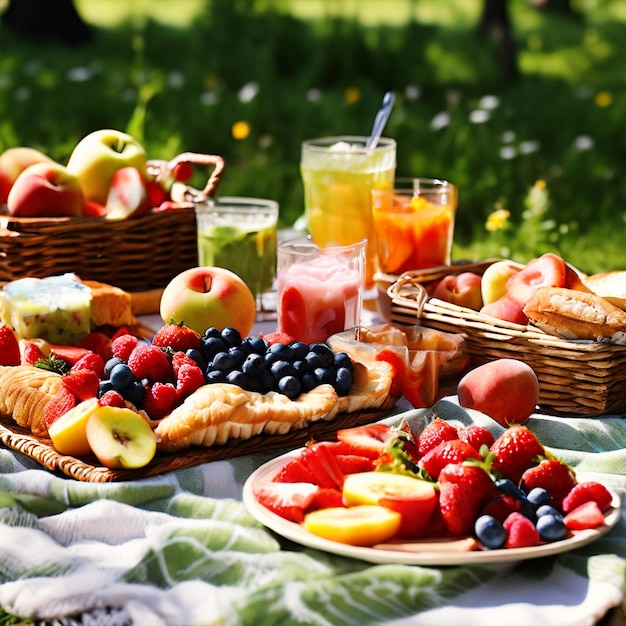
13, 162
461, 289
46, 190
507, 310
202, 297
128, 194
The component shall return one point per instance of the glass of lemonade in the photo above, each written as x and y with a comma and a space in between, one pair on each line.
338, 176
414, 224
320, 290
239, 234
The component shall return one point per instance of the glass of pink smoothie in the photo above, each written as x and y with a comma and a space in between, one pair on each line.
320, 290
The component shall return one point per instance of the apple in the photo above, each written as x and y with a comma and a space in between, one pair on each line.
507, 390
69, 432
13, 162
507, 310
494, 281
202, 297
46, 190
120, 437
461, 289
128, 194
99, 155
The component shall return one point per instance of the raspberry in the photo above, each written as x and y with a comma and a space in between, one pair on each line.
112, 398
90, 361
179, 359
159, 400
123, 345
521, 532
148, 361
189, 378
98, 342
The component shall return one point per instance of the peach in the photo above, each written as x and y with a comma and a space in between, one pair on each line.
494, 281
202, 297
46, 190
13, 162
461, 289
507, 390
507, 310
128, 194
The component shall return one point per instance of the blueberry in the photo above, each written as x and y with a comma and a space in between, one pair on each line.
490, 532
111, 363
326, 354
215, 376
343, 381
313, 360
135, 393
212, 331
231, 336
551, 527
195, 355
284, 352
121, 376
290, 386
309, 381
539, 496
256, 344
509, 488
280, 369
342, 359
103, 387
238, 353
210, 346
546, 509
267, 381
324, 375
236, 377
223, 361
253, 365
301, 367
299, 348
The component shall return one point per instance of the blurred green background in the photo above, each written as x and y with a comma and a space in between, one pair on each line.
533, 135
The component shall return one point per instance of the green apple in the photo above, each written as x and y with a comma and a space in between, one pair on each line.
494, 281
69, 432
97, 157
120, 438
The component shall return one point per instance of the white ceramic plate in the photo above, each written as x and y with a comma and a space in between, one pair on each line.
420, 553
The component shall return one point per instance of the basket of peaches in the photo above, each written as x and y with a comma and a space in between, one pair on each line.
107, 209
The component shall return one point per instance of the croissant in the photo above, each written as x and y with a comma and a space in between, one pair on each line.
24, 392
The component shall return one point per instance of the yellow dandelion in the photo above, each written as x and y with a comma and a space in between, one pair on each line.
603, 99
497, 220
540, 184
352, 94
240, 130
210, 81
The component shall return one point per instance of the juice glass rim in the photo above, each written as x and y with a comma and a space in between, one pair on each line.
322, 144
308, 246
413, 183
238, 203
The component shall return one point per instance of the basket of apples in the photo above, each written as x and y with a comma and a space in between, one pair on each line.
545, 313
110, 214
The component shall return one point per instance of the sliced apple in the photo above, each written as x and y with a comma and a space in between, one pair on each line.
120, 438
69, 432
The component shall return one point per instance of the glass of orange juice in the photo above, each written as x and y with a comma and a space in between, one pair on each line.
414, 223
339, 174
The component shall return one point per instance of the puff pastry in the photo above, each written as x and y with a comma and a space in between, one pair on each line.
219, 412
24, 392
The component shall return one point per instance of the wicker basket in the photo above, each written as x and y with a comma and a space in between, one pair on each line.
135, 254
577, 378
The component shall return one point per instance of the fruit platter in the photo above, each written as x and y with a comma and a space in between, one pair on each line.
444, 496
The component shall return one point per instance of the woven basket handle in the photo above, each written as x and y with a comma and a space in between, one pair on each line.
408, 289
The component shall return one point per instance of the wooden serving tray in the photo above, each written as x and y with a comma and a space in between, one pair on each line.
88, 469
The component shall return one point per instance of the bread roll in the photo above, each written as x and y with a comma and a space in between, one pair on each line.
573, 314
610, 285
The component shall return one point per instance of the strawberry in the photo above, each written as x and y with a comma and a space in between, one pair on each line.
434, 433
319, 460
112, 398
587, 515
476, 436
278, 337
521, 532
90, 361
159, 399
555, 477
514, 451
499, 507
354, 463
9, 347
59, 405
369, 440
584, 492
70, 354
82, 383
31, 353
123, 345
451, 451
326, 498
294, 471
188, 379
149, 361
177, 336
463, 490
98, 342
547, 270
289, 500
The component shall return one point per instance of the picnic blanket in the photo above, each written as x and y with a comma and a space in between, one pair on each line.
181, 550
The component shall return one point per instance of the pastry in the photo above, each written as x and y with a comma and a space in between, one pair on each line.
24, 392
110, 306
574, 314
217, 413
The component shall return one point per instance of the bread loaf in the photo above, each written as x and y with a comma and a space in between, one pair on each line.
110, 306
610, 285
573, 314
